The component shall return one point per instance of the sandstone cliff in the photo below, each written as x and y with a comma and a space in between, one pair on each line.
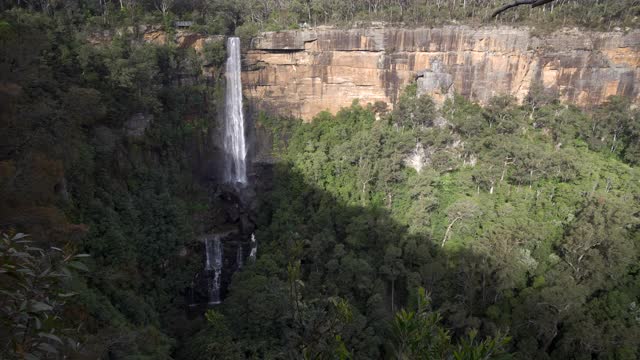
301, 73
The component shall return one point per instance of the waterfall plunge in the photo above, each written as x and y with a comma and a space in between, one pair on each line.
213, 247
234, 143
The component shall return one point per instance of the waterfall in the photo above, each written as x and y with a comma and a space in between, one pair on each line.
213, 247
254, 248
234, 169
239, 257
192, 302
234, 143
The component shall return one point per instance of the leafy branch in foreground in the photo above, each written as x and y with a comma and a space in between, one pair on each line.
32, 298
418, 334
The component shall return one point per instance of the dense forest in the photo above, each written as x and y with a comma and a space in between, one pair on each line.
523, 219
459, 231
80, 173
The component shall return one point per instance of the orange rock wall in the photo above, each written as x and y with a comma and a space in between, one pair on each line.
301, 73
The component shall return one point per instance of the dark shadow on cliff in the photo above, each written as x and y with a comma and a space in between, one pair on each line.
313, 246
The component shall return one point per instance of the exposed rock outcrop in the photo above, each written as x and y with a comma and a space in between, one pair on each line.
301, 73
418, 158
436, 82
137, 124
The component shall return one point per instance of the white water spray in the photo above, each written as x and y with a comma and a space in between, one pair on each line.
234, 142
254, 248
213, 264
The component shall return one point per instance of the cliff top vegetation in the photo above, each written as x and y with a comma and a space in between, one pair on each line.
247, 17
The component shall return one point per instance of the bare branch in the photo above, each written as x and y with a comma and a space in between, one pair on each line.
533, 3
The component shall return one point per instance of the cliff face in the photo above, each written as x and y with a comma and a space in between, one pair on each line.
301, 73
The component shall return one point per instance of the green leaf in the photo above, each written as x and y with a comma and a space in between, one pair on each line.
33, 248
78, 266
50, 336
48, 348
38, 306
25, 271
66, 295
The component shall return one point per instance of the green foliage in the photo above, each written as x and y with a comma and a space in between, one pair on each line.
491, 348
419, 334
512, 191
412, 110
614, 129
519, 218
289, 14
225, 16
72, 169
465, 116
214, 53
213, 342
247, 31
34, 288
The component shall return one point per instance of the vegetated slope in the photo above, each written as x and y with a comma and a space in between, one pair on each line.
521, 219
